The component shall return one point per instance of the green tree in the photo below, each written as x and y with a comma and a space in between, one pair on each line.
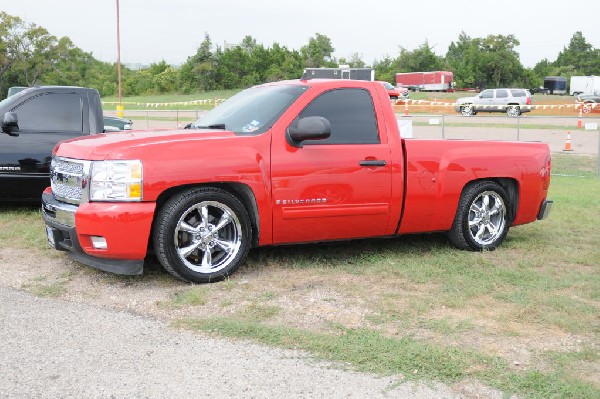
418, 60
37, 53
11, 30
318, 52
75, 67
355, 61
385, 69
198, 72
579, 57
490, 61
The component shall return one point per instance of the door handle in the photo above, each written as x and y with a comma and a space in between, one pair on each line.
372, 162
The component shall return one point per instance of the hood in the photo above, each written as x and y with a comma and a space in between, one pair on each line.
101, 146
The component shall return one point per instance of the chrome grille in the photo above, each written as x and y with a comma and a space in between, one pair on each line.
68, 178
72, 167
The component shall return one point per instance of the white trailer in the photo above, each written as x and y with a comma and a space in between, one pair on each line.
584, 85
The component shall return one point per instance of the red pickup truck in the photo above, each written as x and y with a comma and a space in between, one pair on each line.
286, 162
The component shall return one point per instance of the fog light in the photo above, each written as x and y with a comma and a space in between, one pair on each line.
99, 242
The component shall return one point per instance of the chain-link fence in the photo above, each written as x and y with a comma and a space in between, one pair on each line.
574, 142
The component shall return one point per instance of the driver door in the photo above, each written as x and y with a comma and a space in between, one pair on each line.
337, 188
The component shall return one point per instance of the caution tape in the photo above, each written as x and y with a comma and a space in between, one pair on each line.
427, 103
157, 105
409, 102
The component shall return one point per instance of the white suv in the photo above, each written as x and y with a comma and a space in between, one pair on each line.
512, 101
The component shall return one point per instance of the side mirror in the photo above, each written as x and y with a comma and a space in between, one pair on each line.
10, 124
308, 128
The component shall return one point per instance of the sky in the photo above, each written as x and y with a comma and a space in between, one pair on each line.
172, 30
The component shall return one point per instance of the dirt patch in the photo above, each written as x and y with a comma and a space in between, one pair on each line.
304, 299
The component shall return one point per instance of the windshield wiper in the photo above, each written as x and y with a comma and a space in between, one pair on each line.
213, 126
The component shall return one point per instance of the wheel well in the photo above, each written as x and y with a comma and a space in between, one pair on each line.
241, 191
511, 187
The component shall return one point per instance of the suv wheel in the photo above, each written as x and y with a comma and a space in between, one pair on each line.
513, 110
467, 110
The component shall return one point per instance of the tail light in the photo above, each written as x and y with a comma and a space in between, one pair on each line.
528, 101
545, 172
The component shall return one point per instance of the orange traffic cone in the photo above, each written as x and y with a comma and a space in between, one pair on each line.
568, 143
405, 107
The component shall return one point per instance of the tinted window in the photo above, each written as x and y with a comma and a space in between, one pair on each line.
501, 94
351, 114
487, 94
518, 93
51, 111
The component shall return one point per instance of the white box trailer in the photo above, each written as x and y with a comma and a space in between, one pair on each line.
584, 85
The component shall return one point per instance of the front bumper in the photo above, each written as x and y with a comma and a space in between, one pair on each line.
124, 226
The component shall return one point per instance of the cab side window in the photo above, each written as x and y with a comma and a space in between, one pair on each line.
351, 114
487, 94
51, 112
501, 94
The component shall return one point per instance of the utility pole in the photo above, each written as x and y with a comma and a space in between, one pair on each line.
120, 108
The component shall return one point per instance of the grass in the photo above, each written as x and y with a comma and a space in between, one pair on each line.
411, 305
21, 226
544, 279
370, 351
575, 165
195, 296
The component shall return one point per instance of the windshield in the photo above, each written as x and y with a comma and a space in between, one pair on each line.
388, 86
12, 97
252, 111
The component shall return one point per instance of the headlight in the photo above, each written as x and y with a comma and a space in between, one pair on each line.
116, 181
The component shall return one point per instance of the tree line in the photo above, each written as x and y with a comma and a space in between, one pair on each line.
30, 55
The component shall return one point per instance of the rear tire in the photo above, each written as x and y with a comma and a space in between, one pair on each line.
513, 110
482, 217
202, 235
467, 110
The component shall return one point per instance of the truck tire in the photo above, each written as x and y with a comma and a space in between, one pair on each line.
482, 217
513, 110
202, 235
467, 110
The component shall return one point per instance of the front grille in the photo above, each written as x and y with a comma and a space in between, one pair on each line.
66, 192
68, 178
68, 166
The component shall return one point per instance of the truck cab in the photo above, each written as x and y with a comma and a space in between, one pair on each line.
33, 121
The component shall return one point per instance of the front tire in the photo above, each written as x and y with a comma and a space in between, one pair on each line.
202, 235
482, 218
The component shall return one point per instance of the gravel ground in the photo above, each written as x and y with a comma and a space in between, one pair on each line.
56, 349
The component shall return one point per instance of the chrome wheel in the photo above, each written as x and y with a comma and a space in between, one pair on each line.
207, 237
487, 218
483, 216
202, 234
513, 110
467, 110
587, 108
